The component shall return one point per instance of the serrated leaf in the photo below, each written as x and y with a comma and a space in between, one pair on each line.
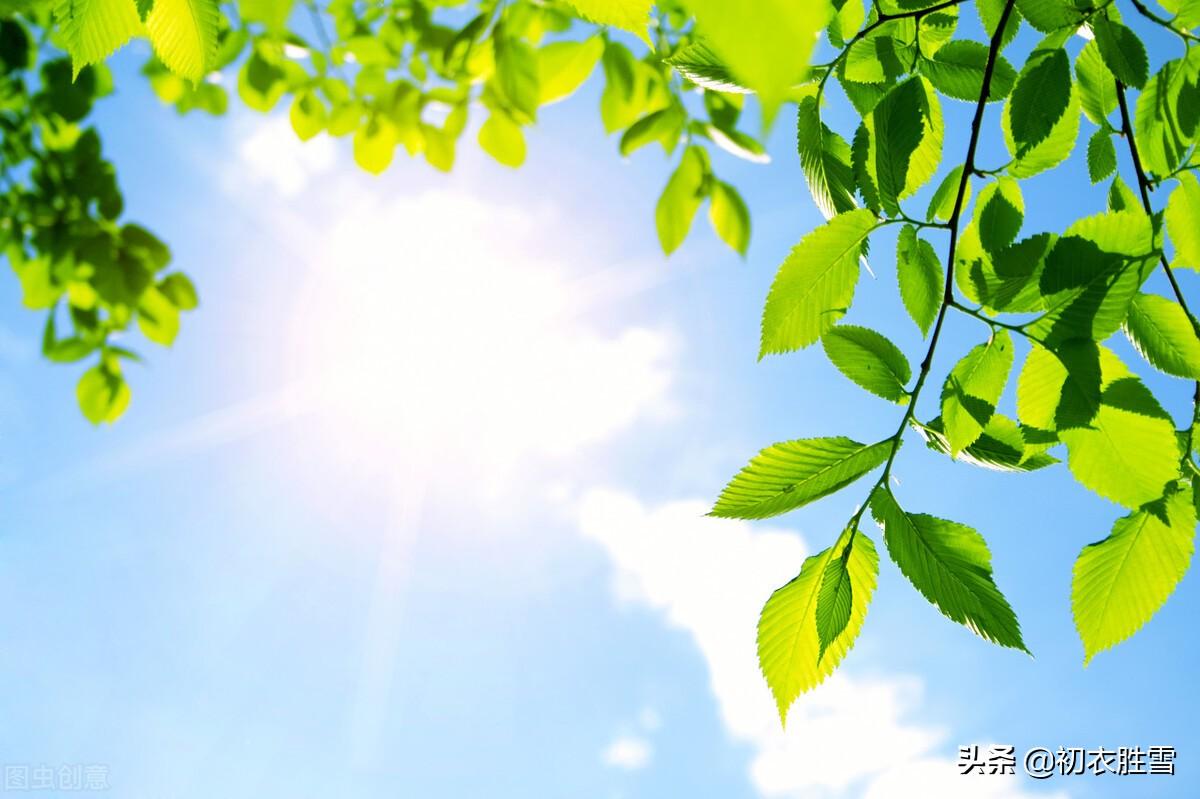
1001, 447
999, 214
990, 12
904, 142
835, 600
789, 647
1128, 451
869, 359
1049, 15
1092, 274
1183, 221
1101, 156
680, 199
919, 272
1122, 50
973, 388
1161, 331
1097, 86
815, 285
949, 563
729, 216
1040, 98
791, 474
92, 30
1160, 137
1119, 583
957, 71
698, 63
826, 160
941, 204
184, 35
1008, 280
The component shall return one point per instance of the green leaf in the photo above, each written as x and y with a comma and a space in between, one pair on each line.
517, 76
1092, 274
1161, 331
1101, 156
791, 474
158, 317
1183, 221
1001, 447
905, 141
825, 159
103, 395
502, 139
307, 115
990, 12
766, 44
1007, 280
184, 35
664, 126
835, 600
1040, 98
680, 199
941, 204
1049, 15
92, 30
698, 63
957, 71
949, 563
178, 288
562, 67
999, 213
789, 646
1158, 132
973, 388
1119, 583
375, 145
1121, 197
1122, 50
629, 15
815, 285
1097, 86
869, 359
919, 272
729, 216
1128, 451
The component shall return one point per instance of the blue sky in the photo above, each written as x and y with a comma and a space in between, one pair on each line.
414, 505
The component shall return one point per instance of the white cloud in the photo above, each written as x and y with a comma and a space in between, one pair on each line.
435, 323
270, 152
628, 752
849, 737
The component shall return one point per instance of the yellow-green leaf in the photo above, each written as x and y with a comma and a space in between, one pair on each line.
184, 35
93, 29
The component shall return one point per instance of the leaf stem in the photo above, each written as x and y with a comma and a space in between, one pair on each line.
1156, 19
952, 225
1143, 187
880, 21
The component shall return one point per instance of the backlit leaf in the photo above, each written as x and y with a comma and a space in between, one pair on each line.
791, 474
815, 285
973, 388
869, 359
919, 272
1160, 330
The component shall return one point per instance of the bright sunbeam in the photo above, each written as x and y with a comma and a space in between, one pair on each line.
434, 325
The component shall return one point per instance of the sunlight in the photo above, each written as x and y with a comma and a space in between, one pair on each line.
434, 324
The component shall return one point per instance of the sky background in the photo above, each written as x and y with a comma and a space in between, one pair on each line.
414, 506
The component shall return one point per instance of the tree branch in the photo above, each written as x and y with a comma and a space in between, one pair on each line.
1143, 187
953, 225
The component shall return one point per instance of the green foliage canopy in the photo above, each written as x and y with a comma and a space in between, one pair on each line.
404, 75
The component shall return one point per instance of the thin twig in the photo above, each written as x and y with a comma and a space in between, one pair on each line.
1143, 187
948, 292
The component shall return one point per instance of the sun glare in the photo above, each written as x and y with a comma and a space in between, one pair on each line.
436, 323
